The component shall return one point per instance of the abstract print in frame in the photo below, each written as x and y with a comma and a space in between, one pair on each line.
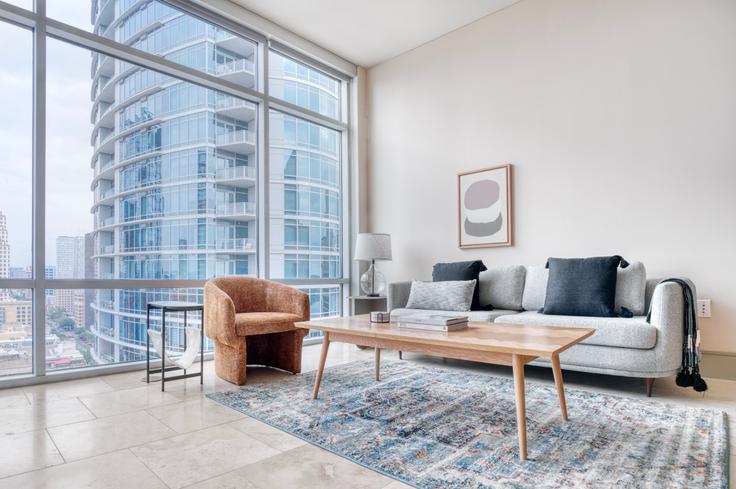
484, 207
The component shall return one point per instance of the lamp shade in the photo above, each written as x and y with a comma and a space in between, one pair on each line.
373, 246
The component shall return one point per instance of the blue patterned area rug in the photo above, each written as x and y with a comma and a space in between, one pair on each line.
436, 428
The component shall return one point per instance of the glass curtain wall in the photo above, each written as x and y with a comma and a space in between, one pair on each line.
16, 159
150, 177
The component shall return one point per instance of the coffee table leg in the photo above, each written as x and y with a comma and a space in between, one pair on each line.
558, 383
378, 363
321, 368
518, 368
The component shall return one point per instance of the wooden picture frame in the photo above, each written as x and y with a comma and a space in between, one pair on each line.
484, 207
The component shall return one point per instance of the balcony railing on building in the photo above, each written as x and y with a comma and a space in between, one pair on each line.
104, 161
236, 173
236, 244
240, 71
103, 222
105, 194
236, 209
107, 249
236, 136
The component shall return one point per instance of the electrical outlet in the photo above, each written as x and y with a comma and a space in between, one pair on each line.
704, 308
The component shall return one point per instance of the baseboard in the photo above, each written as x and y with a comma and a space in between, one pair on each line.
719, 353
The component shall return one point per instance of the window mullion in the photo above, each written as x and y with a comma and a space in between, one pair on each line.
264, 177
39, 191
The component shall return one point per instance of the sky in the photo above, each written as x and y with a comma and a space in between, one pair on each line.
68, 130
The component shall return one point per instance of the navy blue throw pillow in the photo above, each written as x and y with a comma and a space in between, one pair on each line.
582, 286
461, 270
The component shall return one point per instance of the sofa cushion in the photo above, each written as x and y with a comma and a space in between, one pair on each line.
582, 286
250, 323
461, 270
535, 288
630, 288
502, 287
487, 316
633, 332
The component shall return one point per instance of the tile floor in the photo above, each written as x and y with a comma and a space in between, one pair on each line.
117, 432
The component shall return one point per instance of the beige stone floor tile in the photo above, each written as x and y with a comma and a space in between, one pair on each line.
43, 415
200, 455
116, 470
90, 438
267, 434
194, 415
127, 380
187, 389
66, 389
304, 467
128, 400
22, 452
10, 398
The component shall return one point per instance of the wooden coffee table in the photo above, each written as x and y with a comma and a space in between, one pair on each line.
501, 344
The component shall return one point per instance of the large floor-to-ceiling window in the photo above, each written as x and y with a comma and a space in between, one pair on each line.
149, 148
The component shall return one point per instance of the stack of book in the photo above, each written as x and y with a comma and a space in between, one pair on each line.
434, 322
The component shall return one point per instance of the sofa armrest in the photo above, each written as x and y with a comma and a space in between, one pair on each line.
284, 298
398, 295
668, 316
219, 315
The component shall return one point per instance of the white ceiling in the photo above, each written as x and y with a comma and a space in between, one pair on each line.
368, 32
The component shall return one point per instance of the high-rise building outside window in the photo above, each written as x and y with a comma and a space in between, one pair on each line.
153, 174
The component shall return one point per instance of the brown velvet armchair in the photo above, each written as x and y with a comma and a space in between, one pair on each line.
251, 322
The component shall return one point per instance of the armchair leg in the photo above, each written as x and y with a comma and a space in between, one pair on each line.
230, 361
649, 382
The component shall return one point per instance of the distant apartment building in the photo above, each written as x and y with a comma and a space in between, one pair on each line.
90, 270
70, 257
70, 263
15, 312
21, 273
50, 274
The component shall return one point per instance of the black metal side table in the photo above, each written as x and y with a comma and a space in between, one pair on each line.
173, 306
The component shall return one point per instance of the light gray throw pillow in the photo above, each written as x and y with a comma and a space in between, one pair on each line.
502, 287
535, 288
631, 285
451, 295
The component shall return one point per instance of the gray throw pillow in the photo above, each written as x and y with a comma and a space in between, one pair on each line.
452, 295
630, 288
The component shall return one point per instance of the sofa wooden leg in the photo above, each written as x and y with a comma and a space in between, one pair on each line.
649, 382
401, 355
230, 361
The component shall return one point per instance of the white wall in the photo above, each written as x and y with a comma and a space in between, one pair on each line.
620, 119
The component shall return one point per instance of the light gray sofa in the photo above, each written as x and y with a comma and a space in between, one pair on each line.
628, 347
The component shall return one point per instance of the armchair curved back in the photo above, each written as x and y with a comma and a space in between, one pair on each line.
250, 294
247, 293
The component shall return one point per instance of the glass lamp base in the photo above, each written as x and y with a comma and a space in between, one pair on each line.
372, 282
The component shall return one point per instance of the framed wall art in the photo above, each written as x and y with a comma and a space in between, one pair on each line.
484, 208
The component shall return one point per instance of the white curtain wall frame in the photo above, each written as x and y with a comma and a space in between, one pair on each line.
44, 28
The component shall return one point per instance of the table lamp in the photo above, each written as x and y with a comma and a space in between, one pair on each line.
371, 247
